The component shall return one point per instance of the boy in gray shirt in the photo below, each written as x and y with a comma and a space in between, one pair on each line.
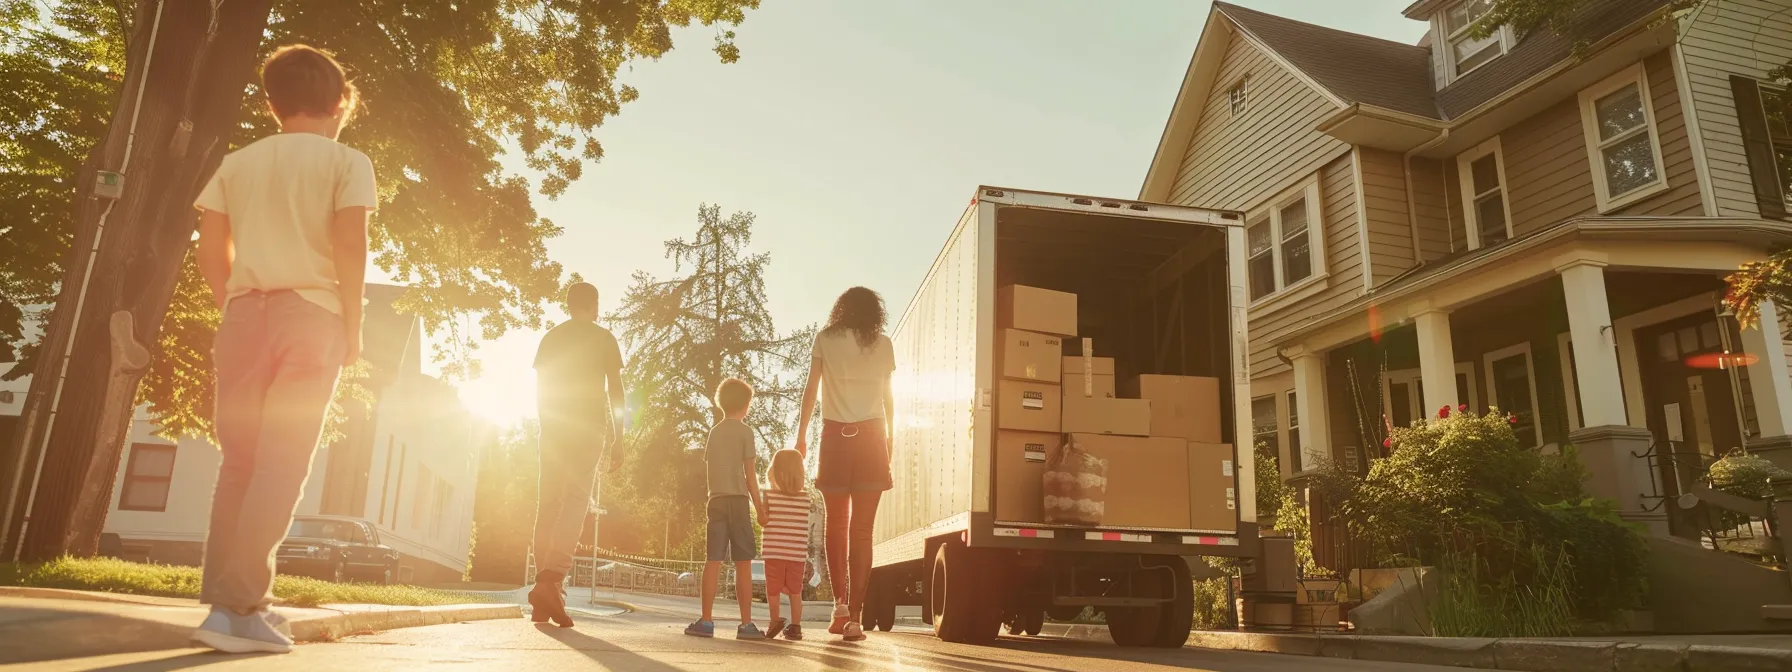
733, 466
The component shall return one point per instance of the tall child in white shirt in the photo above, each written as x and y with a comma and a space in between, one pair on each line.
786, 543
283, 245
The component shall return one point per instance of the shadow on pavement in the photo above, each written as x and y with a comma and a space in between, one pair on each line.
30, 635
182, 662
597, 649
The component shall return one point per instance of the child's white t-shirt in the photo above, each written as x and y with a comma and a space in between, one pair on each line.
281, 193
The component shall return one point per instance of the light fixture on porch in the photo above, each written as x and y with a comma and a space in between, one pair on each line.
1721, 360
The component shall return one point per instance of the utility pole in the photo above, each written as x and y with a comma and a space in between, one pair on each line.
189, 64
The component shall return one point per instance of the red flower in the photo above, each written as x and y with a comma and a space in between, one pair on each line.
1387, 442
1512, 418
1463, 408
1443, 412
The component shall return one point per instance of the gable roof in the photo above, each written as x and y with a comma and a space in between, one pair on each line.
1352, 67
1540, 50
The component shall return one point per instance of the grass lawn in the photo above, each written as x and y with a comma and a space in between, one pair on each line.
119, 576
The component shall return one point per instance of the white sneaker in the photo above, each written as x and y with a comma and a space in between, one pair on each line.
281, 625
232, 633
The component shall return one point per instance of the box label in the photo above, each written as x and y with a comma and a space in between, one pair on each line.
1035, 452
1231, 500
1032, 400
1226, 467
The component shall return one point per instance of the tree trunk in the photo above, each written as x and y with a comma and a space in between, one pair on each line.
79, 434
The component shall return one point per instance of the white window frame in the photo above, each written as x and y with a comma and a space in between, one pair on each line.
1308, 189
1238, 96
1466, 179
1414, 378
1636, 75
1530, 369
1447, 41
1290, 423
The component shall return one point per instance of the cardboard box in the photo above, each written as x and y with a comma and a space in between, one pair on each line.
1147, 480
1030, 406
1030, 356
1020, 474
1185, 407
1212, 485
1034, 309
1089, 377
1100, 415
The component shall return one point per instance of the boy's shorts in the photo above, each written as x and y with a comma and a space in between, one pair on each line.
731, 529
784, 577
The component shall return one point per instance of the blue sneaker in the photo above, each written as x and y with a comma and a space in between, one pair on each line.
229, 632
701, 629
748, 631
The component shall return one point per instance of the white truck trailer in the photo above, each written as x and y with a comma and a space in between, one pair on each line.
1161, 290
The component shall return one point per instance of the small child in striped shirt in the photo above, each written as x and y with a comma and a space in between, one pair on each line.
786, 541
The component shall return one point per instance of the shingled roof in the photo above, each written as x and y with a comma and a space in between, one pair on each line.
1356, 68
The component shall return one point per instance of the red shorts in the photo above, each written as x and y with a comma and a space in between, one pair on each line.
854, 458
784, 577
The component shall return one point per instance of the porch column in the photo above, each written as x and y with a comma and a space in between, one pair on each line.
1595, 347
1437, 360
1767, 377
1309, 399
1771, 384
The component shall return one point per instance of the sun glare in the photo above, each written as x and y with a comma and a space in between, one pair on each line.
501, 398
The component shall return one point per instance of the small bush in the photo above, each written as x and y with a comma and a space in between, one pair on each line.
1746, 475
1213, 604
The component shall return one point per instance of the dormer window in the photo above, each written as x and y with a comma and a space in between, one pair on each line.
1464, 52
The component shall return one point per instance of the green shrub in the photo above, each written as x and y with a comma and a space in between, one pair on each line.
1476, 600
1746, 475
1270, 488
1213, 604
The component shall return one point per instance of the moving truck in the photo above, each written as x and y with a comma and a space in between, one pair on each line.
1050, 319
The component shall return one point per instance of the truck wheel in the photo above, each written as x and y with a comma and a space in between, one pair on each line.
1166, 625
963, 613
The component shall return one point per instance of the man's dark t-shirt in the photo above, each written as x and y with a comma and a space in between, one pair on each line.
572, 370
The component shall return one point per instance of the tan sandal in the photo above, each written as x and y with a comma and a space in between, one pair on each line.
841, 618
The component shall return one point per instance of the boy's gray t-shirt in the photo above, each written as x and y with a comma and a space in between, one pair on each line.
730, 452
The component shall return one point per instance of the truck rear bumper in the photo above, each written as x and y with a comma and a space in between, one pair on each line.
1075, 540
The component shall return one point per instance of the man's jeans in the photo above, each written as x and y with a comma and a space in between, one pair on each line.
568, 470
278, 357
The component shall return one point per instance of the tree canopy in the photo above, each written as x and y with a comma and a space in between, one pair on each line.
447, 88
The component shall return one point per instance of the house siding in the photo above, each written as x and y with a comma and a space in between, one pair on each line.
1430, 193
1551, 177
1337, 201
1237, 163
1746, 37
1391, 249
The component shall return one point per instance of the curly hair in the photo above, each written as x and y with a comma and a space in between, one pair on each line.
860, 310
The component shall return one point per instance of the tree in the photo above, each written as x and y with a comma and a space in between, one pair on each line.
683, 336
447, 87
504, 506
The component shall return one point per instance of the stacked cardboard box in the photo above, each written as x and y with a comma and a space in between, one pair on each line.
1161, 441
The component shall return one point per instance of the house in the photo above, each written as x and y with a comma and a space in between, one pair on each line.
408, 464
1520, 222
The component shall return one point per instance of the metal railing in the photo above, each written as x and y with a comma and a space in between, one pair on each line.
1697, 509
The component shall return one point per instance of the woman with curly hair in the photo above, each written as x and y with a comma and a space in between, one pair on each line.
851, 365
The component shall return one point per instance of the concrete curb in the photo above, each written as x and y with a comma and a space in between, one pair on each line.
330, 627
1519, 655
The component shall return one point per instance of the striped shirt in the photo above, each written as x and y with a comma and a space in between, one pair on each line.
786, 527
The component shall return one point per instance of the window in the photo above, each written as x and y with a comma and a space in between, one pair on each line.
1263, 424
146, 478
1467, 53
1236, 96
1512, 388
1281, 241
1294, 432
1483, 174
1622, 142
1765, 116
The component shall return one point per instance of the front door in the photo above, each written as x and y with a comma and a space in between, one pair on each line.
1692, 400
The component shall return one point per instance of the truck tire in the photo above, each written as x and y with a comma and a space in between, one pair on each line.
1166, 625
964, 611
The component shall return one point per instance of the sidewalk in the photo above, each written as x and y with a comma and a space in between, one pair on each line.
39, 624
690, 607
1678, 653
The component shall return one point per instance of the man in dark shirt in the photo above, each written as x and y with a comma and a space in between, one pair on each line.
578, 374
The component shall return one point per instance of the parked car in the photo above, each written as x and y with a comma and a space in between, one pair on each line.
336, 548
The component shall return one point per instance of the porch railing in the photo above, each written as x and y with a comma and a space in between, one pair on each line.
1698, 510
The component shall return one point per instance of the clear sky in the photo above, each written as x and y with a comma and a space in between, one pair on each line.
857, 131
